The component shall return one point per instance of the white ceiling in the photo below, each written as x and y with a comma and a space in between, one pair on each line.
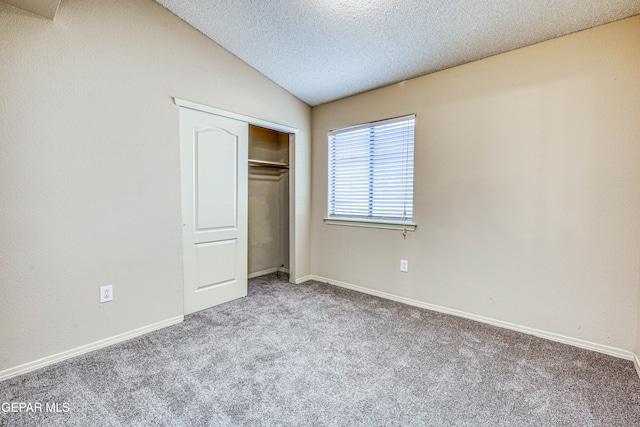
323, 50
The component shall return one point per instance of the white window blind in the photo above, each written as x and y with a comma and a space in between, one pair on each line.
371, 171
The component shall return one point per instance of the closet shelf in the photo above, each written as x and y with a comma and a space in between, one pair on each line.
265, 164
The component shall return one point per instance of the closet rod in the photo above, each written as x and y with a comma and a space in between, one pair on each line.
264, 164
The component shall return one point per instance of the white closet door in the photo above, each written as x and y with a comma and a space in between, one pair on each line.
214, 153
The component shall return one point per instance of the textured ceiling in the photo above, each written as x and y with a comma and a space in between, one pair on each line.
323, 50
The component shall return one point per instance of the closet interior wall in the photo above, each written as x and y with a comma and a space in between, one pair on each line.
268, 202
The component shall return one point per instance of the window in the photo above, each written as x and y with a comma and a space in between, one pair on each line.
371, 174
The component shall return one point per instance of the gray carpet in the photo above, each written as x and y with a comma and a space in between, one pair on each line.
314, 354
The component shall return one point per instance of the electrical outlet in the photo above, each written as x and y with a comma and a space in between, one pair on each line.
106, 293
404, 265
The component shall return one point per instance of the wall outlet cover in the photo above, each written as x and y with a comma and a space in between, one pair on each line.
106, 293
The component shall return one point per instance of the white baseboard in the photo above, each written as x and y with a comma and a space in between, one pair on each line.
636, 364
268, 271
306, 279
600, 348
49, 360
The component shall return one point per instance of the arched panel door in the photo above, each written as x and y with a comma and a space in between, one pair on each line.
214, 152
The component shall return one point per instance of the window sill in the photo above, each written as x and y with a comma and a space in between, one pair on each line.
371, 224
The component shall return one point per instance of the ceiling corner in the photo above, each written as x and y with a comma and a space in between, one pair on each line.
45, 8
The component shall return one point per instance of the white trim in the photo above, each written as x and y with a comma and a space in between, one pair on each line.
50, 360
576, 342
371, 224
305, 279
636, 364
267, 271
251, 120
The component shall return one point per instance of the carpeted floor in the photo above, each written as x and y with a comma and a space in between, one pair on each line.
314, 354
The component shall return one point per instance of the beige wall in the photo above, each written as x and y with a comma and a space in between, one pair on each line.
268, 220
527, 177
637, 348
89, 170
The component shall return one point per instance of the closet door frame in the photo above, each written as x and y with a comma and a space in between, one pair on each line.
292, 167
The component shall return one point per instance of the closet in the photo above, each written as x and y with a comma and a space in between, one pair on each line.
268, 231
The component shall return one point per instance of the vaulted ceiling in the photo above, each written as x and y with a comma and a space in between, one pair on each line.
323, 50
